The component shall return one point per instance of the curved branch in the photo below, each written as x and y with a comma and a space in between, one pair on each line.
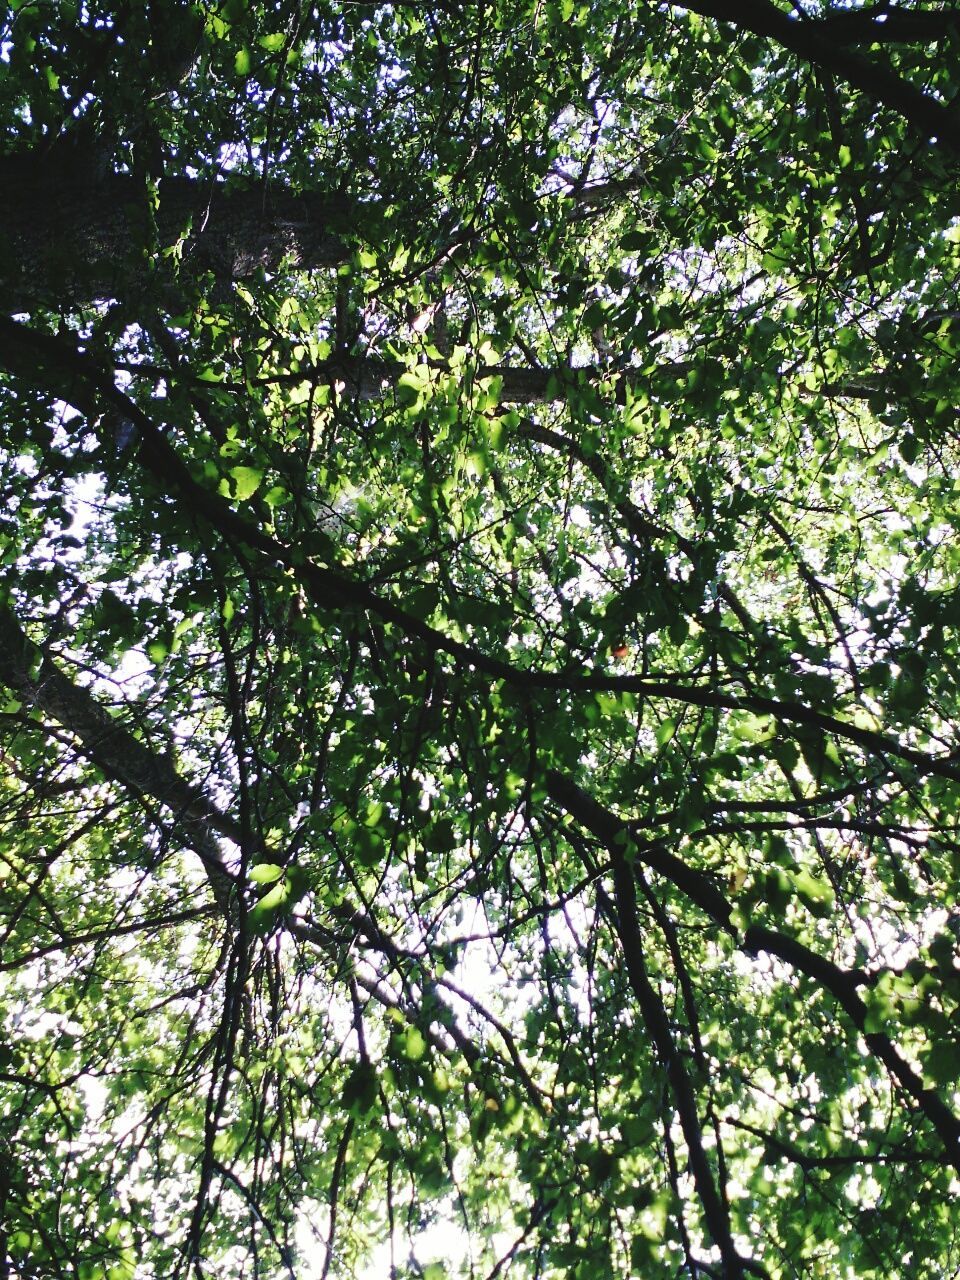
814, 45
880, 24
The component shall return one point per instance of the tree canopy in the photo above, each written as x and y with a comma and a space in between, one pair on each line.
479, 664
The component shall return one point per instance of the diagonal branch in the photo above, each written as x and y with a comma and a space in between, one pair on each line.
810, 42
79, 381
31, 674
615, 836
657, 1024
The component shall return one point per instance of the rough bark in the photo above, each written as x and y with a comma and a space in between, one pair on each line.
68, 238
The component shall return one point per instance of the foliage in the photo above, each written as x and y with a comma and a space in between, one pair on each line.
478, 640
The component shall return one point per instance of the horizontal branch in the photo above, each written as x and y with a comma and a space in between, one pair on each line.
778, 1147
880, 24
153, 924
369, 377
69, 239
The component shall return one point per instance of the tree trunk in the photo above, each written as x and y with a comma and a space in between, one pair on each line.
68, 238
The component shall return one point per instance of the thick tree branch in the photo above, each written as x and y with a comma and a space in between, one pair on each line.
813, 44
369, 377
31, 674
881, 24
72, 238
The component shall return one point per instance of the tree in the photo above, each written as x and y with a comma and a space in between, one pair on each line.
478, 640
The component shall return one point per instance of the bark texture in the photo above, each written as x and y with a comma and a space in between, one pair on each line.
69, 237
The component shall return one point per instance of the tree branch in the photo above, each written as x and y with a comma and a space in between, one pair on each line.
814, 45
880, 24
72, 238
80, 382
615, 835
31, 674
658, 1027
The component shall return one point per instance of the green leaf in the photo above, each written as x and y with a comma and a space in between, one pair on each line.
265, 872
158, 650
414, 1044
246, 481
360, 1091
274, 898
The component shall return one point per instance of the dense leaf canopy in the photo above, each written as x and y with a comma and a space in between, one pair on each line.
479, 667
